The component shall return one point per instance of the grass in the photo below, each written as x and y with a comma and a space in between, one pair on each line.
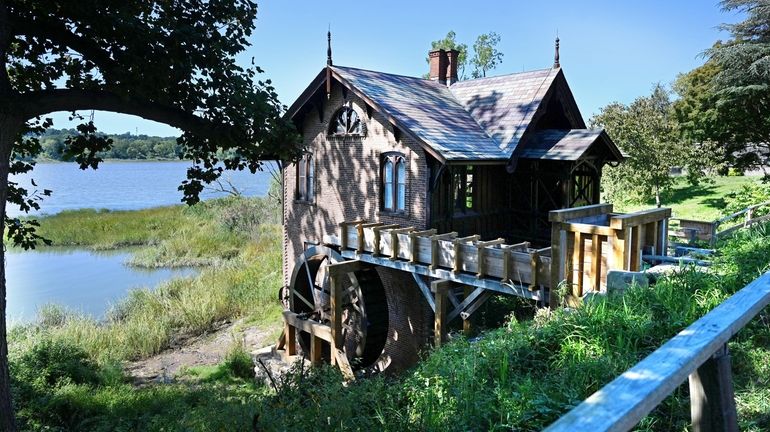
241, 279
705, 201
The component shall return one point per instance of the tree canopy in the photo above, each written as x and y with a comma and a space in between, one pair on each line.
647, 131
486, 57
171, 62
742, 82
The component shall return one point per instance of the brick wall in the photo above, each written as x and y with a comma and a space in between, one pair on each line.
347, 187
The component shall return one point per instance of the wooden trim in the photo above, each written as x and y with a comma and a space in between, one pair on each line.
564, 215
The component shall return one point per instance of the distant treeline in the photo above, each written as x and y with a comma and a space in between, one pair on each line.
124, 146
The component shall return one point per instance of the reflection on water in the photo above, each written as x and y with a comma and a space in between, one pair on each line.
83, 281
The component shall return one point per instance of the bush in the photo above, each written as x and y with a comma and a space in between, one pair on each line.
748, 195
54, 363
239, 363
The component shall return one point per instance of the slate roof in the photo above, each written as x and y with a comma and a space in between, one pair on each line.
480, 119
428, 110
556, 144
504, 105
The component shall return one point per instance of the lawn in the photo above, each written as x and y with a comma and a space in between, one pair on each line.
705, 201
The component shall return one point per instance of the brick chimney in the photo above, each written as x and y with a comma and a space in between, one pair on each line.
452, 58
438, 65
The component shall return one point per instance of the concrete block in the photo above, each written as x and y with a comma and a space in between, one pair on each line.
618, 281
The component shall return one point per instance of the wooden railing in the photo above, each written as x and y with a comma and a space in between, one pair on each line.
740, 219
698, 352
596, 239
692, 230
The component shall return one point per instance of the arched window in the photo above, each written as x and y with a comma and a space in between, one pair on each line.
346, 122
305, 175
394, 182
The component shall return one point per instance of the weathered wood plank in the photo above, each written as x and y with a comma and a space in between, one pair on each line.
314, 328
639, 218
622, 403
564, 215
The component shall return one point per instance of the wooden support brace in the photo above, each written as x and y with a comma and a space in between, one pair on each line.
341, 360
486, 295
440, 288
377, 233
506, 264
556, 274
635, 258
467, 324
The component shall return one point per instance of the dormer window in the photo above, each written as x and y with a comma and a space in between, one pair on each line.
346, 122
394, 182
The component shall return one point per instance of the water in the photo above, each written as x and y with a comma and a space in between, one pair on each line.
86, 281
123, 185
83, 281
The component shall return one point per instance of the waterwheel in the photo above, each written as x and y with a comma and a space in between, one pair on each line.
364, 305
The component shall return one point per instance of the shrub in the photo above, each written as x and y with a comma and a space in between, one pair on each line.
748, 195
54, 363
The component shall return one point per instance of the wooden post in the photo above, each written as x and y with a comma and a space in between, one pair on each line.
578, 263
534, 257
316, 349
635, 257
556, 275
712, 397
596, 263
467, 325
506, 263
619, 256
440, 289
291, 339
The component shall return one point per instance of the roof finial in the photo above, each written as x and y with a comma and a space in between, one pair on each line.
329, 47
556, 63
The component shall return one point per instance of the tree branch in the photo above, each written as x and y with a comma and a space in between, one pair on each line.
47, 101
59, 33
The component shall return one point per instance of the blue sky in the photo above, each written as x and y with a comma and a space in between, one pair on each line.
610, 50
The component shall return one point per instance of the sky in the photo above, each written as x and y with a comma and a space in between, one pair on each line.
610, 50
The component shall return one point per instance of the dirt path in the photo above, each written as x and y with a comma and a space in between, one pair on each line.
208, 349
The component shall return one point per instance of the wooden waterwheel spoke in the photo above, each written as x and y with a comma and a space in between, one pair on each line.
304, 300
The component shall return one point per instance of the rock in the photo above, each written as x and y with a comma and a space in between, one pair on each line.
618, 281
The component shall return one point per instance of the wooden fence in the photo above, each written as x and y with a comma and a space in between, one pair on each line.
698, 352
709, 231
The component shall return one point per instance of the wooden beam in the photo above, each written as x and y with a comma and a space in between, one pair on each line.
635, 255
639, 218
440, 288
564, 215
314, 328
316, 349
291, 339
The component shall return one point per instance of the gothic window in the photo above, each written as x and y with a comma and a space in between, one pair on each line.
305, 175
346, 122
394, 182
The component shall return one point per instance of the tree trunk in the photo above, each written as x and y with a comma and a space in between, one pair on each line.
9, 128
657, 196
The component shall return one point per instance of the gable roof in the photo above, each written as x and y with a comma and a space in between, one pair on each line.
505, 105
480, 119
428, 110
555, 144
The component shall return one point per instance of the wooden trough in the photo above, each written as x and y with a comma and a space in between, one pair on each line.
465, 271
